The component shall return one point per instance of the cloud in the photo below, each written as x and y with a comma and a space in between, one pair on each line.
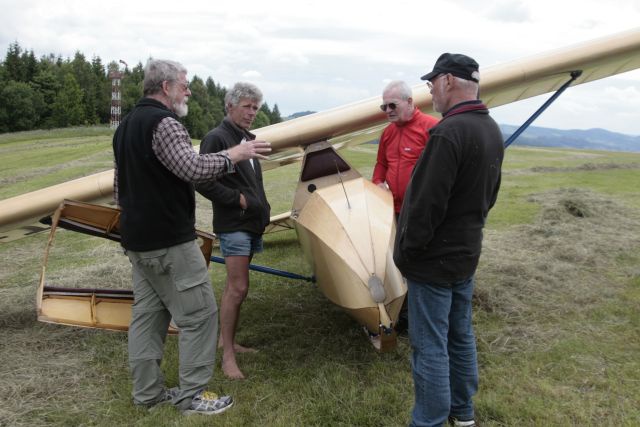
251, 74
510, 11
309, 55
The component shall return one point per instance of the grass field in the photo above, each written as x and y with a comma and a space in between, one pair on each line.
557, 308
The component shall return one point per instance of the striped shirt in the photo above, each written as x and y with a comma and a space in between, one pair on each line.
172, 146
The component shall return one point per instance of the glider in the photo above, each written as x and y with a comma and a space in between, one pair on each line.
345, 224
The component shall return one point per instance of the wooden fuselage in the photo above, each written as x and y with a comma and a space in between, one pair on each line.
346, 227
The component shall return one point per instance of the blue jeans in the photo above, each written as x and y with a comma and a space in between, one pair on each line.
240, 243
444, 360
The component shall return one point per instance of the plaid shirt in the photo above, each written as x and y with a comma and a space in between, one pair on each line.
172, 146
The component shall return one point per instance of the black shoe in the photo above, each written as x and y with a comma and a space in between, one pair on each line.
165, 398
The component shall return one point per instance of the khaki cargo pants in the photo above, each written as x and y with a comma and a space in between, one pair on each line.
171, 282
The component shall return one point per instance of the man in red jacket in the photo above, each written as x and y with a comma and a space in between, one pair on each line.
400, 147
401, 142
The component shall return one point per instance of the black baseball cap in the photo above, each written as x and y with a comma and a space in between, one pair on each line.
457, 64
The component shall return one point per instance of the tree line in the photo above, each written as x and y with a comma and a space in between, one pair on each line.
52, 92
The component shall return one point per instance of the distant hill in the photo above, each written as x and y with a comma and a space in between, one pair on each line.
592, 139
299, 114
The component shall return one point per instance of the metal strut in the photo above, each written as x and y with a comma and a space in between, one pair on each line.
574, 75
270, 270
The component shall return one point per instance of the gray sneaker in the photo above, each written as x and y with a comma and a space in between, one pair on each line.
208, 403
165, 398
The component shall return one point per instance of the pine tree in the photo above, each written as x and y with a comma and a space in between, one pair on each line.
13, 64
46, 84
65, 92
67, 109
275, 115
131, 87
261, 120
102, 91
29, 65
84, 76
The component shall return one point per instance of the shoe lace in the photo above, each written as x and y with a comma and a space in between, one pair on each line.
208, 395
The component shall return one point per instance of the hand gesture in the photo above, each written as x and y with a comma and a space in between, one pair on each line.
249, 150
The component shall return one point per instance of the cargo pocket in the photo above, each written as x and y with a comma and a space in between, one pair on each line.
193, 297
151, 261
191, 278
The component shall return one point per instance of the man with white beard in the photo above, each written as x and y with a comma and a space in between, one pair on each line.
156, 169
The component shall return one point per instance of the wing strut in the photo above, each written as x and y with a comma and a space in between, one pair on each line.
269, 270
525, 125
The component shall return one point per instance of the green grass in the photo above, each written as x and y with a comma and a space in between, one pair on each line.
556, 308
37, 159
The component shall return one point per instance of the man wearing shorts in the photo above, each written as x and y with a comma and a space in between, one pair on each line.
154, 177
240, 213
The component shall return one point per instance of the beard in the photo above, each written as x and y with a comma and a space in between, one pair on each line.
180, 108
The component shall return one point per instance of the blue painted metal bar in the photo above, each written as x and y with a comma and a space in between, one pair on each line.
270, 270
525, 125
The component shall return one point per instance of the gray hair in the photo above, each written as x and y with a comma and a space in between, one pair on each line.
402, 87
469, 87
159, 70
243, 90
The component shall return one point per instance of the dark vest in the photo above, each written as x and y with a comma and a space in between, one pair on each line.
158, 208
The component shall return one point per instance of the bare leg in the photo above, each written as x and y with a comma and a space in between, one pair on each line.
235, 292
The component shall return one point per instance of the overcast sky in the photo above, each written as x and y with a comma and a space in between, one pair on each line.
320, 54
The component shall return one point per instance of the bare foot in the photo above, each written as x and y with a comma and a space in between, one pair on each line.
231, 370
239, 348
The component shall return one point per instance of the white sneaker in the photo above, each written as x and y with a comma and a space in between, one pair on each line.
208, 403
457, 423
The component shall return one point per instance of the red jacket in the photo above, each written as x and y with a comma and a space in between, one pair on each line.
399, 149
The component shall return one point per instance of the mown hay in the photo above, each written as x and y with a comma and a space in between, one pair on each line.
557, 267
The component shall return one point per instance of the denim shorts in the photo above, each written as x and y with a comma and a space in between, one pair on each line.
240, 243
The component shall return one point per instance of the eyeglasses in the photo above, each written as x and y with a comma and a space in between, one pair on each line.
183, 86
391, 106
433, 80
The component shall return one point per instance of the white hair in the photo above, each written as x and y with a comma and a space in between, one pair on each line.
402, 87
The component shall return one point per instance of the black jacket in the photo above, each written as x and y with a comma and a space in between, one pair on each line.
224, 193
158, 208
453, 186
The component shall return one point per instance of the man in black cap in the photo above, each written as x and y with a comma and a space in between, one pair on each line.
437, 247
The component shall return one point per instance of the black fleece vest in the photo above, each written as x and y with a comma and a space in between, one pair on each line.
158, 208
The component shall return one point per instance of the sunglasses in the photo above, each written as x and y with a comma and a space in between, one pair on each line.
391, 106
